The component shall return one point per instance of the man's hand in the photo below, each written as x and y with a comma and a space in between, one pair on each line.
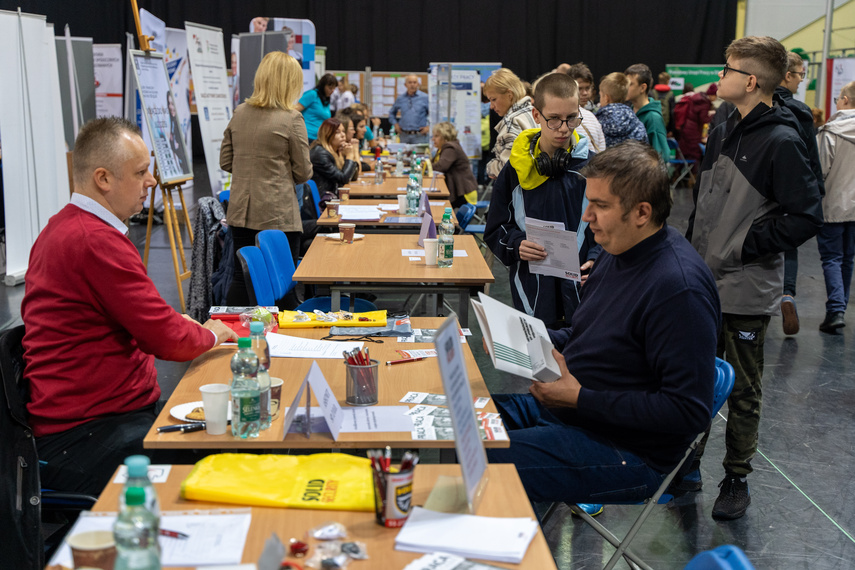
586, 267
530, 251
424, 130
223, 332
189, 318
563, 393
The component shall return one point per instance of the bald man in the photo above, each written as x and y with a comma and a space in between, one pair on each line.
412, 126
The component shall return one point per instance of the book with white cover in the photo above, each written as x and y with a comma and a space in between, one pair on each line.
509, 333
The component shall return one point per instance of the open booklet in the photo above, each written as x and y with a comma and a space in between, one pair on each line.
517, 342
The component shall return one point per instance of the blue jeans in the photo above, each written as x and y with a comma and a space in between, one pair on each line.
407, 138
560, 462
836, 243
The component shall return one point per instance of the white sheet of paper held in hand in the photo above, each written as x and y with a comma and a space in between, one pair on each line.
562, 250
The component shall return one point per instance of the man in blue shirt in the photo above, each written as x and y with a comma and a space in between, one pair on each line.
413, 105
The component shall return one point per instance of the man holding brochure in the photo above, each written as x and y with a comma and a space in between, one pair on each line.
541, 185
637, 366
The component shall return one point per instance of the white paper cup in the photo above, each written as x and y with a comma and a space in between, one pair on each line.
93, 549
430, 251
275, 396
402, 204
215, 399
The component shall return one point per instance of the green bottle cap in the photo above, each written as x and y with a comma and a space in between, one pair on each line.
245, 342
134, 496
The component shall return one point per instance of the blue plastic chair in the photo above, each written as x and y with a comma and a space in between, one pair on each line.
325, 304
316, 196
465, 214
726, 557
256, 276
277, 256
724, 378
224, 196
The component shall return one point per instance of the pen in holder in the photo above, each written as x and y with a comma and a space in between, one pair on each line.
362, 383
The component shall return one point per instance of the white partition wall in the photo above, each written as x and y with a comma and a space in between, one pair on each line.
35, 181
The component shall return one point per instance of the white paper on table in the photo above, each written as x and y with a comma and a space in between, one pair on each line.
393, 207
562, 249
368, 419
214, 537
284, 346
415, 258
437, 203
156, 474
425, 353
460, 253
364, 213
412, 252
470, 536
443, 561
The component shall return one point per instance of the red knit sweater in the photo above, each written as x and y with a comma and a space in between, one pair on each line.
94, 323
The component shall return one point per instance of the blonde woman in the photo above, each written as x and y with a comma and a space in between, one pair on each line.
452, 161
507, 96
334, 160
266, 149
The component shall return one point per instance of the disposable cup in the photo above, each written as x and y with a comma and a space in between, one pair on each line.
344, 195
93, 549
332, 208
346, 231
275, 396
402, 204
215, 399
430, 250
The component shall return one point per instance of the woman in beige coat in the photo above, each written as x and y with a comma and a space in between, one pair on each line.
266, 149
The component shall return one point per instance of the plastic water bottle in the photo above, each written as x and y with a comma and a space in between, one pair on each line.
380, 141
445, 241
246, 399
413, 195
259, 347
138, 477
399, 163
419, 172
136, 533
378, 171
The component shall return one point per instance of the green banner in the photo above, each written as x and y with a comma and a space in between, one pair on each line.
697, 75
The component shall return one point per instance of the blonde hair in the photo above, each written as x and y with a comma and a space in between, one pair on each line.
278, 82
503, 81
847, 90
326, 132
616, 86
446, 131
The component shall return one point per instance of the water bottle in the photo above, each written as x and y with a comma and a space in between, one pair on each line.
413, 195
445, 241
399, 163
259, 347
392, 133
136, 533
419, 172
380, 141
246, 399
378, 171
138, 477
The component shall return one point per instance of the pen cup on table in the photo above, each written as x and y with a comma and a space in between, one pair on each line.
345, 232
402, 204
344, 195
393, 494
332, 208
275, 396
215, 399
430, 250
362, 383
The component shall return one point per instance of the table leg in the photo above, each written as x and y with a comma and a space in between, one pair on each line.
335, 295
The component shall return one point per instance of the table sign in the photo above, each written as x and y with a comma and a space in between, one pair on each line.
428, 229
330, 407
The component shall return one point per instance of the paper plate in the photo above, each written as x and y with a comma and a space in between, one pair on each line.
336, 237
180, 411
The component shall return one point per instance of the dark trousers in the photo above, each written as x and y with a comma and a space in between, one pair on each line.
791, 270
740, 342
243, 237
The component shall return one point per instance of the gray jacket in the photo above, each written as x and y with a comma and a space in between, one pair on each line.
836, 141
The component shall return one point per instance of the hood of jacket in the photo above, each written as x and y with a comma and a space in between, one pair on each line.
521, 159
842, 124
524, 105
653, 107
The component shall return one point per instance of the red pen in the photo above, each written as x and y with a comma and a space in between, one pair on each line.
173, 533
390, 362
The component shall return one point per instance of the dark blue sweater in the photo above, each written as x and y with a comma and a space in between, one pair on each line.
643, 347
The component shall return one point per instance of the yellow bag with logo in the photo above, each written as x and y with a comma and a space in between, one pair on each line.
290, 320
330, 481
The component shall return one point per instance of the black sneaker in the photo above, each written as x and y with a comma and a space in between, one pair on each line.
832, 322
733, 499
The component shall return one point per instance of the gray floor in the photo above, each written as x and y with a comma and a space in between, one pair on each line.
801, 517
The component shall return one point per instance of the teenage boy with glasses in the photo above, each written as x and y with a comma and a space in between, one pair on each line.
755, 198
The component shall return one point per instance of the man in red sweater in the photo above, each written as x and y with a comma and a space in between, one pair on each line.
95, 321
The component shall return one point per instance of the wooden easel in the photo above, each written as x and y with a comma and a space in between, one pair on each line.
170, 217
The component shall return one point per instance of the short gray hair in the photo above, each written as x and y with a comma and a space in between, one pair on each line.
97, 146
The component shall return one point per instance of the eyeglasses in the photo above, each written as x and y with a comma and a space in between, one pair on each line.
801, 74
839, 100
555, 123
727, 68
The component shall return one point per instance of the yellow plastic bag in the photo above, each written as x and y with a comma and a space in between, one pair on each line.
375, 319
327, 481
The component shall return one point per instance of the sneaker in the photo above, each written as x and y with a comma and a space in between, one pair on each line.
590, 508
791, 316
690, 483
832, 322
733, 499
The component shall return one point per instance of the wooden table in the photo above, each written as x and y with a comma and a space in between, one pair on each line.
395, 382
393, 187
504, 497
375, 264
382, 223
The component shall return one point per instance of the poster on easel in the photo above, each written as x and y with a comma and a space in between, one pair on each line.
159, 110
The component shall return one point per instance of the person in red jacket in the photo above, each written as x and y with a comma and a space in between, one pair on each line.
95, 321
699, 113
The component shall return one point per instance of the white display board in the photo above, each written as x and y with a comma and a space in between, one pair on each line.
213, 100
841, 71
455, 96
108, 79
35, 179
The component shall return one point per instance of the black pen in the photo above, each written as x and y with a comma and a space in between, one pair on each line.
183, 428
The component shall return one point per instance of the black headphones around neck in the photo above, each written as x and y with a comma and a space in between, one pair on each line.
545, 165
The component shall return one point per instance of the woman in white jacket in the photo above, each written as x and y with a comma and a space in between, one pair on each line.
509, 100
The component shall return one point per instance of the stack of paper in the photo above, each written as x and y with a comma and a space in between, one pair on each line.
470, 536
359, 213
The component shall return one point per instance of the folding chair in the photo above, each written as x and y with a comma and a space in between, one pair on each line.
723, 385
681, 166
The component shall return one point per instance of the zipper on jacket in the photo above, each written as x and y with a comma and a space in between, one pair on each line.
19, 485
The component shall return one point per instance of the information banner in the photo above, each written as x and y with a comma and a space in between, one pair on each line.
841, 70
180, 81
158, 107
700, 76
108, 79
213, 100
